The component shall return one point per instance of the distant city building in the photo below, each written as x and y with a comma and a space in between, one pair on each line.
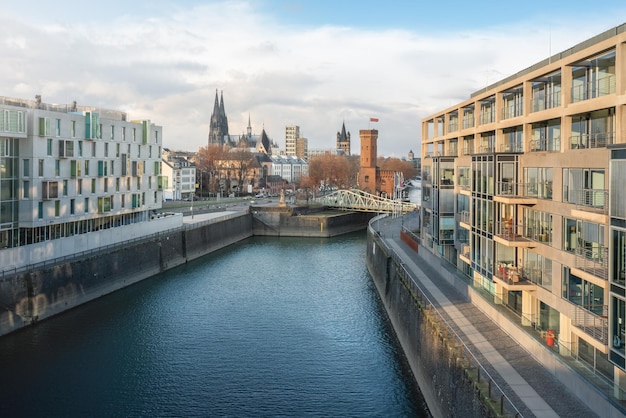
292, 133
218, 129
68, 170
315, 152
181, 175
290, 168
302, 148
343, 140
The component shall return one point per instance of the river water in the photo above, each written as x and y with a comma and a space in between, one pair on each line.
267, 327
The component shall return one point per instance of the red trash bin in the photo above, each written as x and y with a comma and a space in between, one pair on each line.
550, 338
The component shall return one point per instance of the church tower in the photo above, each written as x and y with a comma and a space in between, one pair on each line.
218, 129
343, 140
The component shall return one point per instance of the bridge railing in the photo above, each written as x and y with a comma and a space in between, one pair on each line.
364, 202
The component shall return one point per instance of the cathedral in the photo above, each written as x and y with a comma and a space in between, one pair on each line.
218, 130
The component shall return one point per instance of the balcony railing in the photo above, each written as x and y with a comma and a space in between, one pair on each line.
548, 102
453, 126
487, 149
515, 147
592, 89
596, 200
465, 217
596, 326
593, 261
599, 140
511, 189
550, 144
511, 111
468, 122
464, 183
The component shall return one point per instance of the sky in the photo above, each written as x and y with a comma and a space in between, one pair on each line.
312, 63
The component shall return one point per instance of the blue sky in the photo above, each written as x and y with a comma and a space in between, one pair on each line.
311, 63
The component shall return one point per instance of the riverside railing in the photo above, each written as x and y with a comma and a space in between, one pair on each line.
110, 247
497, 398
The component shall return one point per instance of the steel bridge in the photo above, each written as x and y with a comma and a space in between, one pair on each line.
357, 200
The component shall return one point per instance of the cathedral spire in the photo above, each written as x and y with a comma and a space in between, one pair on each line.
249, 127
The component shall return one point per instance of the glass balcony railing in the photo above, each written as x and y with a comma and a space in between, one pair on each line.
585, 90
598, 140
546, 144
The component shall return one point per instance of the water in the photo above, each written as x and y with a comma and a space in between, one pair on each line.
268, 327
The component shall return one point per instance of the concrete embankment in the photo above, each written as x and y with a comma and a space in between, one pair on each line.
304, 221
31, 296
447, 385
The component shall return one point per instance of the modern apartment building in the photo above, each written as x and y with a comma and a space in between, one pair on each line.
68, 170
523, 191
292, 133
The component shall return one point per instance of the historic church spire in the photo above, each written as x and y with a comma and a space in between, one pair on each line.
343, 140
218, 130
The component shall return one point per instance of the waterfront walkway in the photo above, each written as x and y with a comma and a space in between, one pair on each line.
532, 389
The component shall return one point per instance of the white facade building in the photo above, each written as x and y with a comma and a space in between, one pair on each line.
290, 168
69, 170
181, 177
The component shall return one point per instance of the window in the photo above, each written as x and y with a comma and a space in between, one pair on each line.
44, 126
49, 146
134, 134
57, 168
26, 168
73, 129
112, 132
79, 186
40, 168
106, 149
49, 190
86, 204
80, 148
117, 184
58, 127
93, 186
106, 185
39, 210
619, 257
538, 182
72, 206
57, 208
26, 189
123, 133
367, 179
86, 167
117, 150
65, 186
584, 187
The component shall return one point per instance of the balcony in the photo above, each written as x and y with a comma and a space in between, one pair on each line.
510, 234
592, 324
516, 147
593, 261
550, 145
549, 101
516, 193
591, 200
465, 219
598, 140
511, 277
465, 254
592, 89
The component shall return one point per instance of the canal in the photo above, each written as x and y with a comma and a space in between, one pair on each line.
267, 327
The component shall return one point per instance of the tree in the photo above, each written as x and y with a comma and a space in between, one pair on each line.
243, 163
395, 164
207, 161
331, 170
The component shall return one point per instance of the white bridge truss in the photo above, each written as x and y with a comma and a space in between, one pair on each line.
357, 200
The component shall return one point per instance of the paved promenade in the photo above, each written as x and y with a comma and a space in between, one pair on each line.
533, 390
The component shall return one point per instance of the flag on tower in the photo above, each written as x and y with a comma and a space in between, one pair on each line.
373, 119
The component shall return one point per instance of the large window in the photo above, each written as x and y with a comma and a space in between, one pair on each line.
584, 293
537, 269
619, 257
584, 238
537, 225
538, 182
584, 187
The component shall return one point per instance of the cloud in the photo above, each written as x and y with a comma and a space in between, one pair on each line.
167, 67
